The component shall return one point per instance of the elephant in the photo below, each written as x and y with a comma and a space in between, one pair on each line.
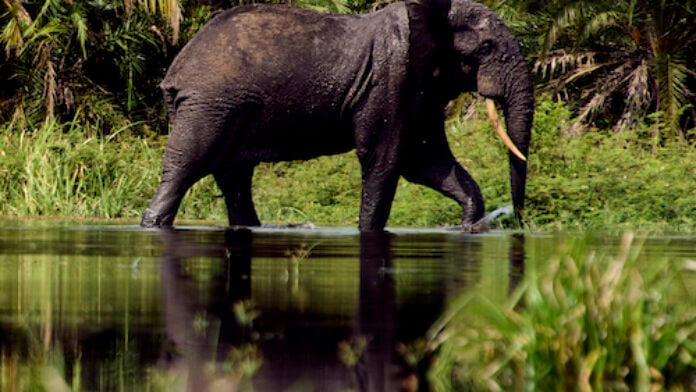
268, 83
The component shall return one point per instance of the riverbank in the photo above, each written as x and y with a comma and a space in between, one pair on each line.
597, 180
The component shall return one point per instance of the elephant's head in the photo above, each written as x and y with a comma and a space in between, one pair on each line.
472, 50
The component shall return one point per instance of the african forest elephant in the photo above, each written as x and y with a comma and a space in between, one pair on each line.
274, 83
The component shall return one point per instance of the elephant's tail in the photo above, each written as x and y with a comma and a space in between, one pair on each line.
169, 100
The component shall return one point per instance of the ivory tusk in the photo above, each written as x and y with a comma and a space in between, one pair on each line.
493, 116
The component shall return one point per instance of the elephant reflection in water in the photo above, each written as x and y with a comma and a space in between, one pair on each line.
210, 345
197, 332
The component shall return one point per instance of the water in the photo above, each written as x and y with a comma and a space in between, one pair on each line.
121, 308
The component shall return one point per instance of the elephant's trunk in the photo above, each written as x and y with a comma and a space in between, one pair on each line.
518, 108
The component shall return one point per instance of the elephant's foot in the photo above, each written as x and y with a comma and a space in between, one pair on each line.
473, 228
152, 219
483, 224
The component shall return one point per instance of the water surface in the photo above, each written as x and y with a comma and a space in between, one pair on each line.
122, 308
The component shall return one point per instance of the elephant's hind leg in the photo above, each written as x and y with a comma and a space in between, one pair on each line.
186, 160
179, 173
235, 183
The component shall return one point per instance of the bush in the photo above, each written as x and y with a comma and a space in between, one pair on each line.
601, 179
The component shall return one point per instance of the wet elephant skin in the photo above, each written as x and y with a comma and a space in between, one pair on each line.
263, 83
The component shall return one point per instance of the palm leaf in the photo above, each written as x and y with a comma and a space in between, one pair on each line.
673, 90
600, 22
44, 35
169, 9
641, 50
79, 22
12, 35
571, 15
638, 96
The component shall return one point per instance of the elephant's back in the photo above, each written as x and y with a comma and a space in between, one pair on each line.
259, 42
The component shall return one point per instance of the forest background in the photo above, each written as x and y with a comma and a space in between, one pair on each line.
83, 126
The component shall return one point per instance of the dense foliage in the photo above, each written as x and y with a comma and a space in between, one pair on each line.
94, 62
619, 60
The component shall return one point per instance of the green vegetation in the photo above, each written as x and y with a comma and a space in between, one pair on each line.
583, 322
617, 61
598, 180
94, 63
81, 309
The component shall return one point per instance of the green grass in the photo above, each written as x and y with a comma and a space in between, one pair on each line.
58, 171
583, 322
599, 180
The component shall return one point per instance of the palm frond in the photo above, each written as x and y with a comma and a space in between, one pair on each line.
169, 9
79, 22
641, 50
638, 96
631, 13
561, 62
603, 89
571, 15
44, 35
599, 22
49, 11
17, 19
580, 72
50, 87
12, 37
673, 89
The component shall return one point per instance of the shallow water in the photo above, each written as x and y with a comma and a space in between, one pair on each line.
329, 309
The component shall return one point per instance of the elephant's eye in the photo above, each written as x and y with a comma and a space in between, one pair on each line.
485, 48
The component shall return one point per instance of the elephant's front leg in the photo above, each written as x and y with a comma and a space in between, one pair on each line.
378, 189
432, 164
377, 145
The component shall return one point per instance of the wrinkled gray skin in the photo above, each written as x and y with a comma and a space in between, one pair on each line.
273, 83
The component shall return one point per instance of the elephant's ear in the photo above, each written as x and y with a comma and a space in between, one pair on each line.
429, 31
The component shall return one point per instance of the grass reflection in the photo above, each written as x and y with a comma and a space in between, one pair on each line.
62, 313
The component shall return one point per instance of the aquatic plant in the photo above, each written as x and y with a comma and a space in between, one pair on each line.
586, 322
245, 312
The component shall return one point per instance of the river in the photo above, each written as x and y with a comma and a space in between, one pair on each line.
113, 307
